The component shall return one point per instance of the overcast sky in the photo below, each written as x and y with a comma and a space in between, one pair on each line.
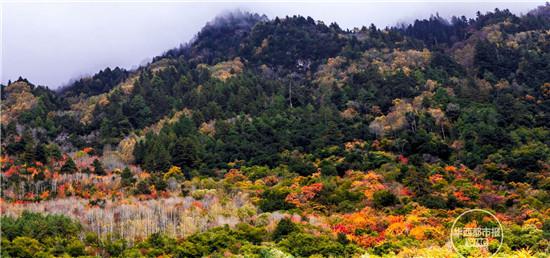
52, 43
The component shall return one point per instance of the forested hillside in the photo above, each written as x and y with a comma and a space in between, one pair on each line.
289, 137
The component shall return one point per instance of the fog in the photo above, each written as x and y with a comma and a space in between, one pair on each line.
52, 43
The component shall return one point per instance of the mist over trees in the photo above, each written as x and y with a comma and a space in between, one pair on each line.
287, 136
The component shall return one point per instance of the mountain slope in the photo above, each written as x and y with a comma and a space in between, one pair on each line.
367, 140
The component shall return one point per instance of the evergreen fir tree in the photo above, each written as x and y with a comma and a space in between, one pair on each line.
41, 153
69, 167
98, 167
127, 178
184, 153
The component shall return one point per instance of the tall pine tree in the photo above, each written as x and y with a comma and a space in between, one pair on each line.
69, 167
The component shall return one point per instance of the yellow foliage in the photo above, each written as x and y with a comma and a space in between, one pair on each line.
523, 253
431, 85
348, 113
208, 128
174, 171
545, 89
235, 175
103, 100
484, 87
438, 115
332, 73
432, 251
354, 144
412, 219
397, 228
492, 33
84, 108
128, 86
394, 120
161, 65
465, 55
534, 222
260, 49
126, 148
156, 127
419, 232
228, 69
410, 59
19, 99
501, 85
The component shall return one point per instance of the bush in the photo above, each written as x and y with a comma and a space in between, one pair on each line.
115, 248
328, 169
301, 167
127, 178
255, 235
24, 247
38, 226
98, 167
213, 240
75, 248
517, 237
284, 228
305, 245
69, 167
274, 199
384, 198
433, 202
142, 188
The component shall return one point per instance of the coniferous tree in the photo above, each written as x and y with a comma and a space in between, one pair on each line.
284, 228
157, 157
139, 152
184, 153
54, 151
127, 178
98, 167
41, 153
86, 170
28, 144
139, 114
69, 167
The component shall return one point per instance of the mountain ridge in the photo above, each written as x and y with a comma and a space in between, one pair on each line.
108, 80
290, 137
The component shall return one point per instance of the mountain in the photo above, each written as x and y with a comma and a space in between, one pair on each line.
305, 138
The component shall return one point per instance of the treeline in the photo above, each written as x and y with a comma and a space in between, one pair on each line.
439, 32
36, 235
101, 82
280, 101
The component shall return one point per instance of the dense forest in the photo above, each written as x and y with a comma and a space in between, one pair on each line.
288, 137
